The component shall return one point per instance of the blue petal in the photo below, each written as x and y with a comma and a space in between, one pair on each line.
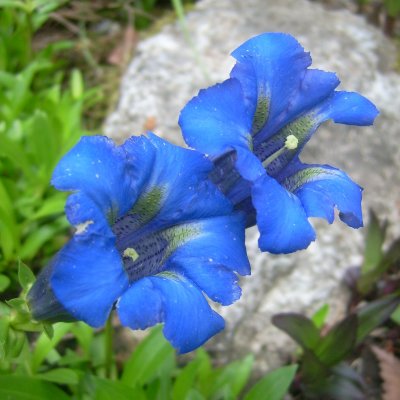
188, 319
219, 283
270, 68
84, 214
315, 87
100, 170
220, 240
321, 188
216, 120
181, 178
347, 108
281, 219
141, 306
88, 277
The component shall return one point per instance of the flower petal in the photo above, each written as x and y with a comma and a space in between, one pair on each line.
84, 214
219, 283
320, 188
315, 86
88, 277
347, 108
99, 169
141, 306
270, 68
168, 297
189, 319
219, 240
216, 120
281, 219
176, 188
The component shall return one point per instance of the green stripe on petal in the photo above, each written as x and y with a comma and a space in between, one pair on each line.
262, 111
306, 175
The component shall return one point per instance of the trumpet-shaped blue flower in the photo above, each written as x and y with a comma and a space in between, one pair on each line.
153, 237
254, 126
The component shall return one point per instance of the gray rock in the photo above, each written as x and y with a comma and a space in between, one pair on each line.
166, 72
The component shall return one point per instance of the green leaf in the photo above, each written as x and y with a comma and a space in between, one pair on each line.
274, 385
320, 316
373, 243
338, 343
64, 376
185, 381
25, 276
44, 345
113, 390
4, 282
48, 330
374, 314
396, 315
77, 88
234, 376
299, 328
36, 239
52, 205
16, 387
4, 329
150, 357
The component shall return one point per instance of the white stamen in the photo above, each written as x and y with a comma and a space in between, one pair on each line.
81, 228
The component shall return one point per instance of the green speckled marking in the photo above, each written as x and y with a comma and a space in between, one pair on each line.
131, 253
112, 215
306, 175
178, 235
149, 204
261, 113
299, 128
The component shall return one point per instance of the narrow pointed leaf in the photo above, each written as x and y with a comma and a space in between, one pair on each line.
374, 314
299, 328
274, 385
339, 342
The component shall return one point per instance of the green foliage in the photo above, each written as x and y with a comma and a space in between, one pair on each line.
274, 385
376, 261
323, 368
40, 120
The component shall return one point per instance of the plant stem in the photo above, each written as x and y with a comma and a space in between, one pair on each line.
108, 345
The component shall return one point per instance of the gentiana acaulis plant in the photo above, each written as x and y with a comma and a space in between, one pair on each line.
159, 228
254, 126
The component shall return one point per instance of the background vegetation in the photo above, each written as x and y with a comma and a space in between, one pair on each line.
57, 76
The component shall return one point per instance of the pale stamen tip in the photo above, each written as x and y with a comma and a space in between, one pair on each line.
291, 142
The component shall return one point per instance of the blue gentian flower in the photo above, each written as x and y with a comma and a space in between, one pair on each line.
153, 237
254, 126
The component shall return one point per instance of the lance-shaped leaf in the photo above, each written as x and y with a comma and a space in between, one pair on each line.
299, 328
374, 314
274, 385
339, 342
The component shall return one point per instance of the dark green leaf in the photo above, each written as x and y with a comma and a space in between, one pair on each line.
299, 328
338, 343
15, 387
374, 314
274, 385
312, 370
373, 243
